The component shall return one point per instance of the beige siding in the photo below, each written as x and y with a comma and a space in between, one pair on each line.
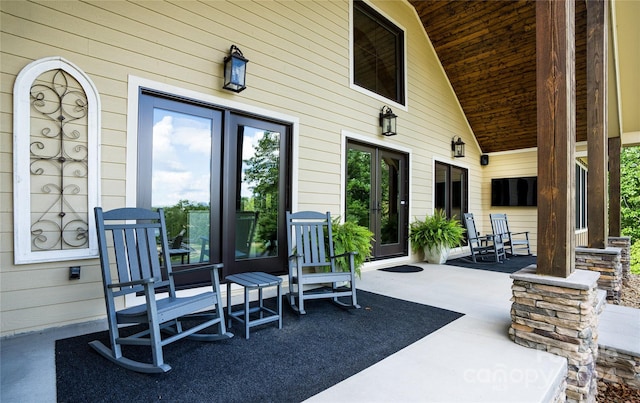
299, 66
507, 165
582, 238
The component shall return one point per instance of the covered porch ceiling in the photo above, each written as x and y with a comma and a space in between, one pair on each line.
488, 51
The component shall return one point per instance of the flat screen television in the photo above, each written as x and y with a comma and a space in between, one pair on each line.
521, 191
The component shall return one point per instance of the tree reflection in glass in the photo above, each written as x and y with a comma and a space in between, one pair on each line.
359, 187
389, 200
180, 181
257, 193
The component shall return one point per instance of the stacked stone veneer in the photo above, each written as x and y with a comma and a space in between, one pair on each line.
607, 262
619, 366
624, 243
560, 316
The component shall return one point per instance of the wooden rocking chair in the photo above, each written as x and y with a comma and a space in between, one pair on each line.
483, 247
312, 262
513, 241
132, 232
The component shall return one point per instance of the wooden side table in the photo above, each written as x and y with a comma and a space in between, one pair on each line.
251, 281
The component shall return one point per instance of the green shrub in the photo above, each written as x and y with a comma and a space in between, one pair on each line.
635, 257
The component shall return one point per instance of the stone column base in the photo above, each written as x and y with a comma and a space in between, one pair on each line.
607, 263
560, 316
624, 243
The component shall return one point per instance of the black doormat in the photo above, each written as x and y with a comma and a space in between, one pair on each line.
511, 265
308, 355
402, 269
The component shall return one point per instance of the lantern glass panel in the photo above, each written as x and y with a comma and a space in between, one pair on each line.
235, 73
459, 149
389, 124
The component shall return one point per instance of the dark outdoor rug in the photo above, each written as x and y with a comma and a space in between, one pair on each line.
308, 355
403, 269
511, 265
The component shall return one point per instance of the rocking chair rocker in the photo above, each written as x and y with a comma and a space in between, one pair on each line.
132, 233
310, 242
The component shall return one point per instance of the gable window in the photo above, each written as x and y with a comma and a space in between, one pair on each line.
378, 54
56, 137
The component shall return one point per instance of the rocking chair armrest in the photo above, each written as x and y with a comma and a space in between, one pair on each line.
295, 256
344, 254
136, 282
488, 237
206, 267
520, 233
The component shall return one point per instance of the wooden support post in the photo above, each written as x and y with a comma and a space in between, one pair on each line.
597, 16
555, 82
614, 186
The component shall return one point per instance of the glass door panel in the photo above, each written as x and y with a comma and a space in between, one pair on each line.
392, 187
389, 200
224, 188
377, 195
180, 181
441, 198
257, 203
257, 196
359, 179
451, 190
458, 192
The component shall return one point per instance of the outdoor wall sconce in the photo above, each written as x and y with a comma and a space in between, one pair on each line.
388, 121
235, 70
457, 146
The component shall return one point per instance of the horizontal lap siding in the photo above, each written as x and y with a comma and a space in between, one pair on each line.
511, 165
299, 66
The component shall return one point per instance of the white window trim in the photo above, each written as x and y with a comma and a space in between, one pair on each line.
365, 91
21, 162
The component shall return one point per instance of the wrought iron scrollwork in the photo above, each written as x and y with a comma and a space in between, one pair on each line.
59, 162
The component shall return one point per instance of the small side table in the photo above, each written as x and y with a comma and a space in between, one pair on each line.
251, 281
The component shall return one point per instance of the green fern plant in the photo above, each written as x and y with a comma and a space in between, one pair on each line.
348, 237
435, 231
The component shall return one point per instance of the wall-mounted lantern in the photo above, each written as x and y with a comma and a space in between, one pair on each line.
235, 70
388, 121
457, 147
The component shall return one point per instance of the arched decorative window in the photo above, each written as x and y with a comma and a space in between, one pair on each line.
56, 137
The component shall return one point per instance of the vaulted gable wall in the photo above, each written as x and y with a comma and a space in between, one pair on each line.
299, 66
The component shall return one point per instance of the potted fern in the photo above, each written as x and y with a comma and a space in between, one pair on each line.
435, 235
349, 237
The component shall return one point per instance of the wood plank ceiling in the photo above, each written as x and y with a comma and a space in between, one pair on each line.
488, 51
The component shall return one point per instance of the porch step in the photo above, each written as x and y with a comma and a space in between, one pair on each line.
619, 345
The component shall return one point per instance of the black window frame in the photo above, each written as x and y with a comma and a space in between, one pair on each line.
445, 198
223, 181
581, 197
375, 17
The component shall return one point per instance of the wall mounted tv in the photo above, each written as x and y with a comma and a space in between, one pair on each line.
521, 191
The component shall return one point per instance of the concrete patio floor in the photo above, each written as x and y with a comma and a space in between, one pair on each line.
470, 360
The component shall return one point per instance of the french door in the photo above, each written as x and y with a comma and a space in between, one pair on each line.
377, 196
223, 180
